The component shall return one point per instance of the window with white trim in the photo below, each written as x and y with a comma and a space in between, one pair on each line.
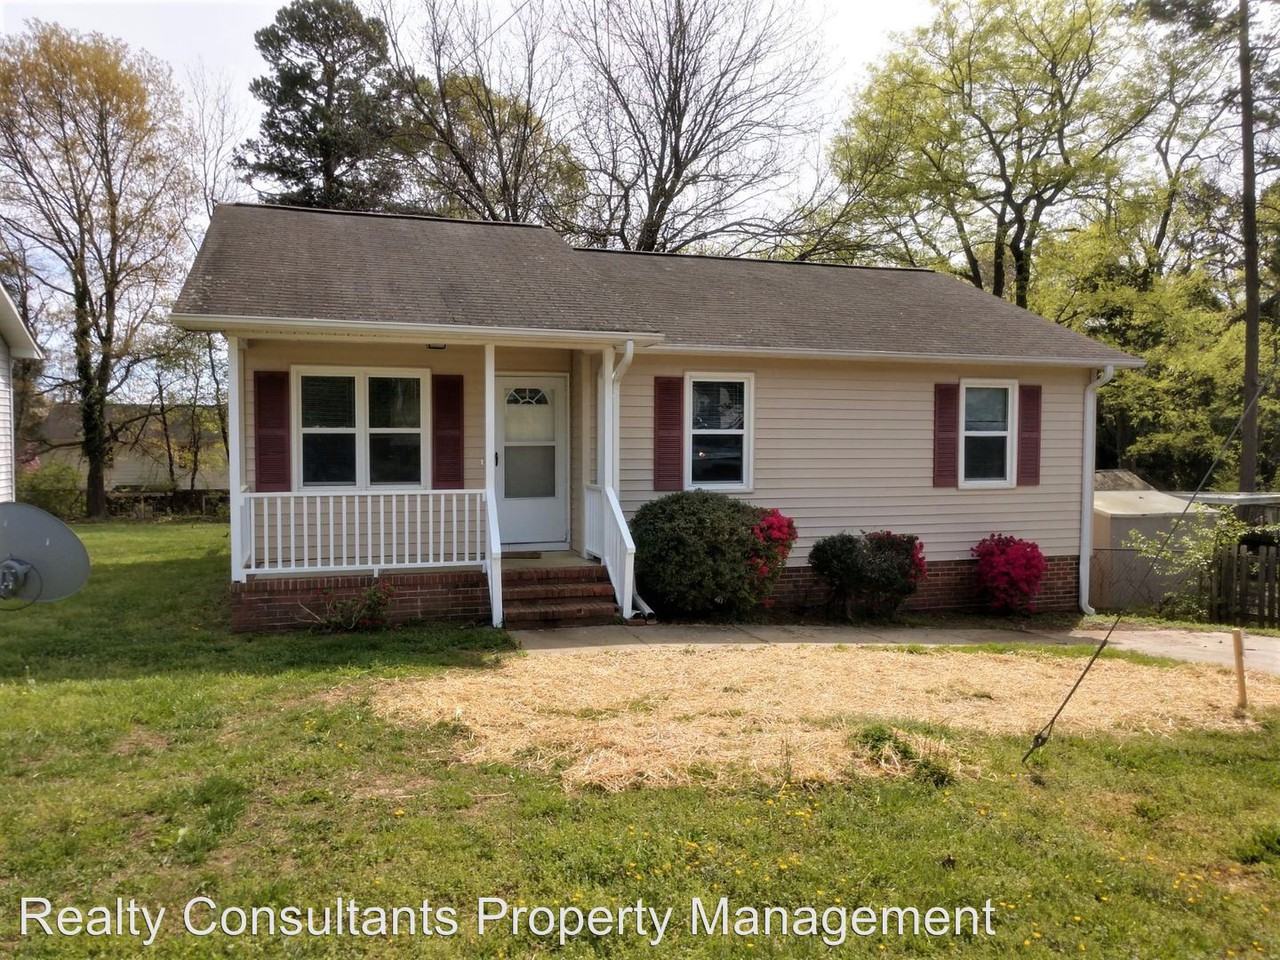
988, 411
362, 428
718, 431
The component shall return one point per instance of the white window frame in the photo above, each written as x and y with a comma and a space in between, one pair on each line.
362, 430
1010, 434
747, 432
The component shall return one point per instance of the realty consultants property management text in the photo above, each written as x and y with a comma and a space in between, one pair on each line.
202, 916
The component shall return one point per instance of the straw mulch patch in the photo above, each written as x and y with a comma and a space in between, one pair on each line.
667, 716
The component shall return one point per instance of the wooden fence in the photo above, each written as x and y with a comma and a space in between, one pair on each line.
1244, 586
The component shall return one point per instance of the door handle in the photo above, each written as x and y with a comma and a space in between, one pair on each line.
495, 458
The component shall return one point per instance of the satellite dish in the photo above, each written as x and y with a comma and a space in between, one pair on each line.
41, 560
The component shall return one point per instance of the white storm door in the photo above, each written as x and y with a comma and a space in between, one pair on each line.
532, 459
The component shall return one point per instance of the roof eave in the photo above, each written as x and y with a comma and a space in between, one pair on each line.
22, 345
412, 332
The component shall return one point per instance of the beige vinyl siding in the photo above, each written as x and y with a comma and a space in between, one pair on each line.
849, 446
8, 448
464, 360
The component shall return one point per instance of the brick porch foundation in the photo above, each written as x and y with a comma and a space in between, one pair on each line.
948, 585
290, 603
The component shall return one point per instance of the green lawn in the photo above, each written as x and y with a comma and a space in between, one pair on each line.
146, 752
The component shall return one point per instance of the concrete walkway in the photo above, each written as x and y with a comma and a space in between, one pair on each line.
1261, 653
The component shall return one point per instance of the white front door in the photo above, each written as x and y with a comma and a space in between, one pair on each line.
533, 461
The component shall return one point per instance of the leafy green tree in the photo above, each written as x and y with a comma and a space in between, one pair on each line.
997, 117
95, 187
1230, 24
327, 136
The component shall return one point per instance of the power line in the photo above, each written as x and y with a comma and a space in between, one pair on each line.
1044, 733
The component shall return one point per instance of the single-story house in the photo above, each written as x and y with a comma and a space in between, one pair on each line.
476, 409
16, 343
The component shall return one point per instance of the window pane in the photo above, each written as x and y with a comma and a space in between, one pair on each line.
529, 415
986, 408
984, 458
395, 457
719, 406
328, 401
395, 402
328, 458
717, 459
529, 471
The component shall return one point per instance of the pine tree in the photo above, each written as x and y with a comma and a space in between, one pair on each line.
327, 133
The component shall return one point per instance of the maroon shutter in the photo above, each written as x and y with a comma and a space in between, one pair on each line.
446, 432
271, 431
946, 434
1028, 435
668, 433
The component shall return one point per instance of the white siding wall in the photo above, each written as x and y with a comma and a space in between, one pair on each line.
838, 445
8, 447
849, 446
454, 359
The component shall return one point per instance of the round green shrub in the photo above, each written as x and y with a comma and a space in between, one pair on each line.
868, 575
54, 488
697, 555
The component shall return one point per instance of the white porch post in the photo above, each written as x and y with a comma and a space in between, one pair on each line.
493, 556
235, 470
490, 417
606, 425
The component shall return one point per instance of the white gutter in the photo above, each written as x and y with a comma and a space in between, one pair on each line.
799, 353
1086, 480
408, 331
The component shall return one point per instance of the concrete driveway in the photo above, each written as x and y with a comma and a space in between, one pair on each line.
1261, 653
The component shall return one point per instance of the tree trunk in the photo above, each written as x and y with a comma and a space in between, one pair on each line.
94, 444
1249, 229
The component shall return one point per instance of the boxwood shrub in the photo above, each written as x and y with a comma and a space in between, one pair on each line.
703, 555
868, 575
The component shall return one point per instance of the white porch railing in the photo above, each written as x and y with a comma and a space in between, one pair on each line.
608, 538
342, 532
494, 562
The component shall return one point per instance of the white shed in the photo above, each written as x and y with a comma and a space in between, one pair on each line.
1121, 578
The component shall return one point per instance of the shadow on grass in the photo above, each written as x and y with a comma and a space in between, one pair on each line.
172, 617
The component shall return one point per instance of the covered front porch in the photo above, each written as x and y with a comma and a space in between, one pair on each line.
379, 456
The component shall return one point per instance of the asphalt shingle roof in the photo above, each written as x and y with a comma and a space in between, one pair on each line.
737, 302
289, 263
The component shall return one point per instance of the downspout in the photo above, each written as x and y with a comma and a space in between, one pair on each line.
628, 354
619, 371
1086, 485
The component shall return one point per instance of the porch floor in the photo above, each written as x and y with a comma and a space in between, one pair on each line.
542, 559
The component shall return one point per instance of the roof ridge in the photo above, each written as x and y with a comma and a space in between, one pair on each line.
389, 214
722, 256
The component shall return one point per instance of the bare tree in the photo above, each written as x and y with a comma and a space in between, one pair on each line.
94, 180
218, 126
687, 108
481, 101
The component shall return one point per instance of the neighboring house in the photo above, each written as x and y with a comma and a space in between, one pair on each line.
142, 461
434, 396
16, 343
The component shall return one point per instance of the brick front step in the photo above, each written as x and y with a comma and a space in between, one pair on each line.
578, 590
542, 614
584, 573
548, 597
